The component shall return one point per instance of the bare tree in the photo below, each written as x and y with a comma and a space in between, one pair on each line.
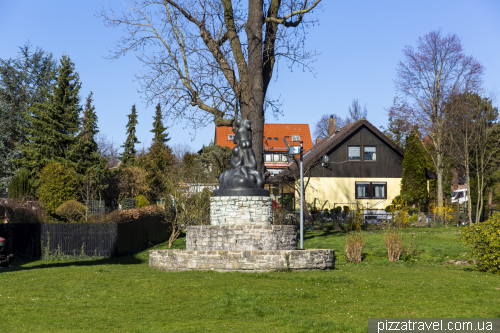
355, 111
180, 150
321, 127
197, 62
108, 149
427, 78
486, 148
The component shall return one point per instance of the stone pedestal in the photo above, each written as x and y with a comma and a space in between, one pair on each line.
241, 237
241, 210
241, 261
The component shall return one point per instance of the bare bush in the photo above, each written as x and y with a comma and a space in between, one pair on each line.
394, 243
354, 244
22, 210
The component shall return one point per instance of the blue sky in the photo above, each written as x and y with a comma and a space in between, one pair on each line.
360, 44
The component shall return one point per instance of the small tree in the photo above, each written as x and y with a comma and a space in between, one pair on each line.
57, 185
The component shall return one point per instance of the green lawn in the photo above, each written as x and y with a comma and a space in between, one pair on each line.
125, 295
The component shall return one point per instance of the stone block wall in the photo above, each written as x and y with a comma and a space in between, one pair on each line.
241, 237
249, 210
244, 261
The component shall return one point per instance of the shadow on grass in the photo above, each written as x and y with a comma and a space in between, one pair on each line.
133, 259
21, 265
309, 234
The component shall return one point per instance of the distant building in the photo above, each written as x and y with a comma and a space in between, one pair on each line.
355, 165
275, 151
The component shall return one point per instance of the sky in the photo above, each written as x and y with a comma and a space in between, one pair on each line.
359, 44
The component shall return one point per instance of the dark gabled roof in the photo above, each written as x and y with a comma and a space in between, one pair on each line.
335, 139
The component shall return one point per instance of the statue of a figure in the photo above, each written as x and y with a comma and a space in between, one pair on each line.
243, 178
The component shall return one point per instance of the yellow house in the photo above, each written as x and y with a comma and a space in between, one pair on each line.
356, 165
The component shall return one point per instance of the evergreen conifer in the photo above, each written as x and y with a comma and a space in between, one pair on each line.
53, 124
158, 128
128, 156
414, 181
85, 152
23, 81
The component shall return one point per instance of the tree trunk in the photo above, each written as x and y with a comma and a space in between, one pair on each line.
439, 169
490, 201
256, 94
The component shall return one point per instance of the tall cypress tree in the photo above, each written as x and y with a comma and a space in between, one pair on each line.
23, 81
158, 128
53, 124
414, 181
129, 152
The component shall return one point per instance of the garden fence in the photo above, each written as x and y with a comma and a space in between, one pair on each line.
26, 240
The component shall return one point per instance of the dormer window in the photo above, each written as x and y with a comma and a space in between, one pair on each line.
230, 137
269, 138
295, 138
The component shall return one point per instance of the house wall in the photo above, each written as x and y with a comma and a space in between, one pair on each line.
325, 192
388, 164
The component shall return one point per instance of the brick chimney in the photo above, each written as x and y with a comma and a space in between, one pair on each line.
318, 139
331, 126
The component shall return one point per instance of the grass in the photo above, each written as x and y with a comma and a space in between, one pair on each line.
125, 295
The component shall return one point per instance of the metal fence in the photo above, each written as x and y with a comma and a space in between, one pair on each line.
370, 217
96, 207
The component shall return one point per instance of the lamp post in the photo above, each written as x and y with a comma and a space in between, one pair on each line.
301, 201
294, 150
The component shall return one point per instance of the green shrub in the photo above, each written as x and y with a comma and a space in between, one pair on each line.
485, 241
346, 210
20, 185
141, 201
57, 185
71, 210
337, 210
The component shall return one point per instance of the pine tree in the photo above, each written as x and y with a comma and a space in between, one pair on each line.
128, 156
23, 81
53, 124
414, 181
85, 152
158, 128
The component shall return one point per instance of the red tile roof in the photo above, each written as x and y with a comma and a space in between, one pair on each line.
271, 131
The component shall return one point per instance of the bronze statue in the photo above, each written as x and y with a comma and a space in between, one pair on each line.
243, 179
